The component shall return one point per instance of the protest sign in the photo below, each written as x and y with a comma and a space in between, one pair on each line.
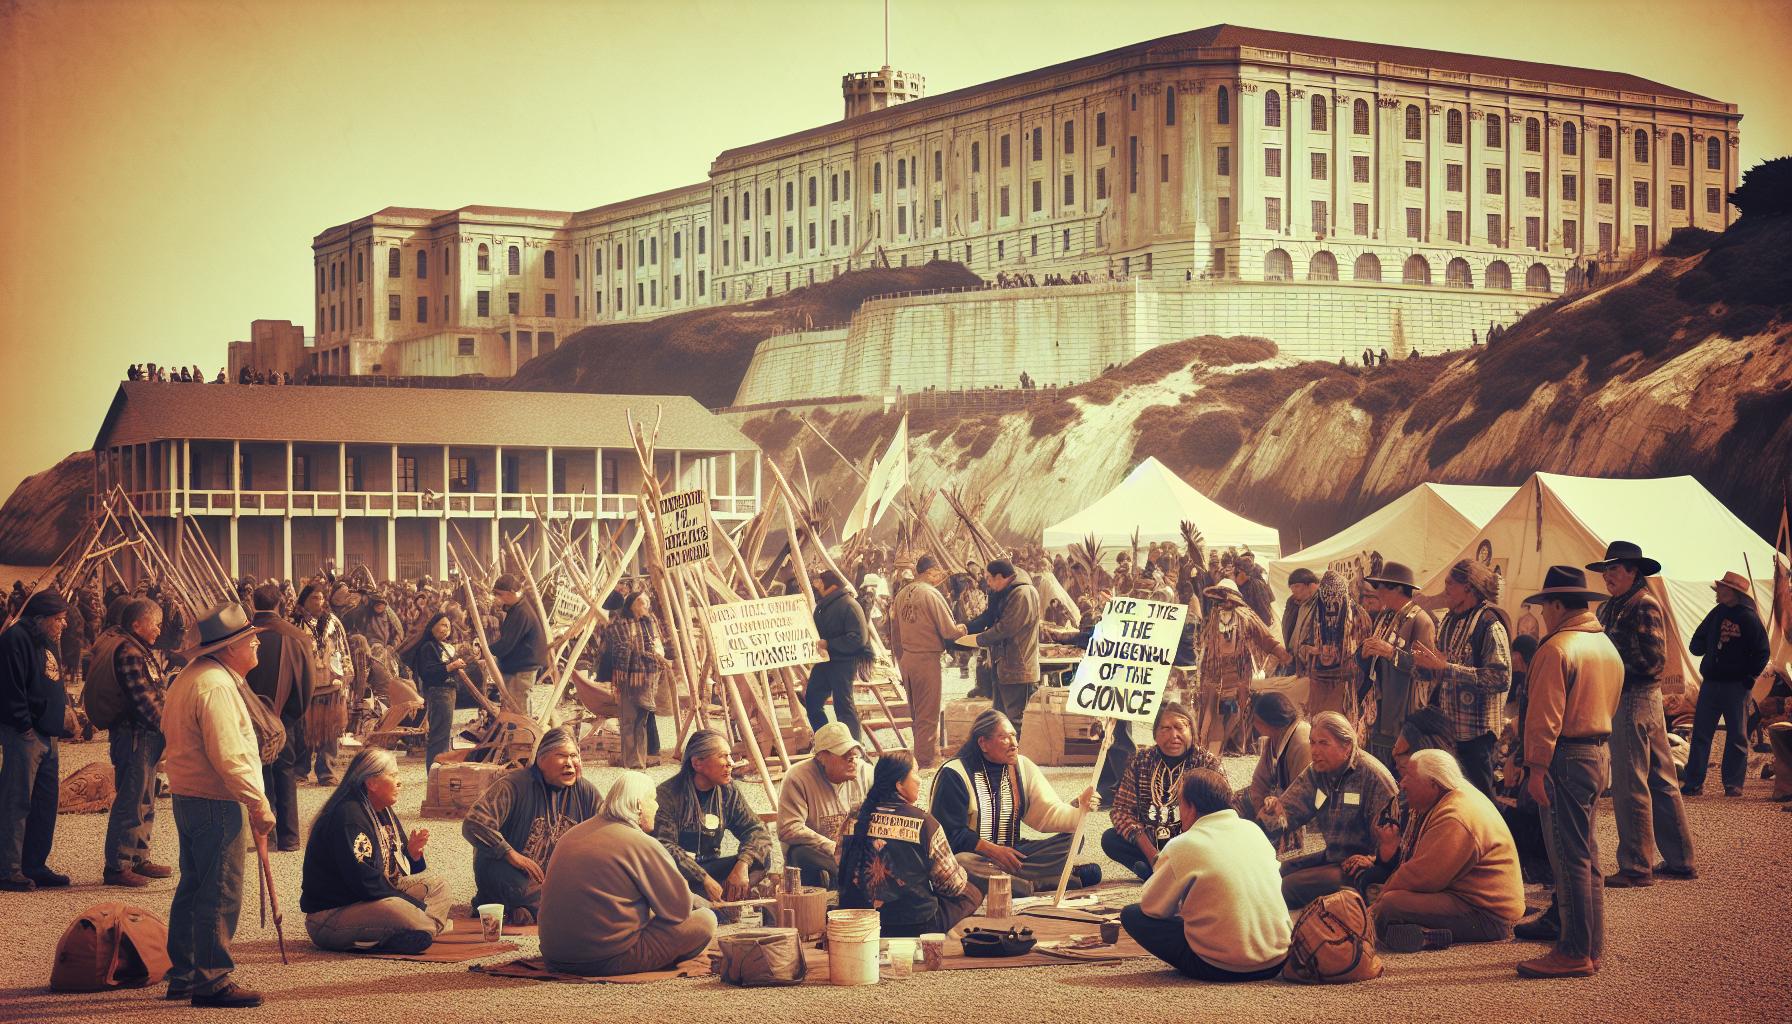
756, 636
569, 605
1127, 666
684, 527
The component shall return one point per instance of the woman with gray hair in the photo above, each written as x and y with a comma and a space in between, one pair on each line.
366, 888
697, 806
614, 902
1460, 882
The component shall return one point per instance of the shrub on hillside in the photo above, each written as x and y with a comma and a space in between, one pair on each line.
1689, 242
1213, 438
1766, 189
1052, 418
1336, 389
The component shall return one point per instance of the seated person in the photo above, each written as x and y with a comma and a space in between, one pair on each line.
1286, 739
1213, 907
515, 824
1146, 808
1460, 881
697, 807
614, 902
983, 795
365, 887
1346, 792
1425, 729
894, 856
814, 801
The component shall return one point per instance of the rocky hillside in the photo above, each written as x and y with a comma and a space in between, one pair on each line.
1684, 367
45, 512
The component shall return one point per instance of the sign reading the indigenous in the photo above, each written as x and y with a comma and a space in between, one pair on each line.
684, 527
754, 636
1127, 666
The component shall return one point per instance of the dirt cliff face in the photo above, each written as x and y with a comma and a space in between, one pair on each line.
1683, 367
46, 511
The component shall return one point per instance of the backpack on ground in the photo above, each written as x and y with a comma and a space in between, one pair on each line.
1333, 942
111, 945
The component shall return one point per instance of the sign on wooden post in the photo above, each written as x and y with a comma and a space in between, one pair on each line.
684, 527
762, 635
1126, 668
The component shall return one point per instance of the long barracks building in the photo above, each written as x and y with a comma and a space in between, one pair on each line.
1225, 152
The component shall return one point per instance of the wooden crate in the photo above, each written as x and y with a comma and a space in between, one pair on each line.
1054, 737
454, 787
959, 715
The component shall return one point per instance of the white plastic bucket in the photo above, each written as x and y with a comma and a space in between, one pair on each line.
853, 940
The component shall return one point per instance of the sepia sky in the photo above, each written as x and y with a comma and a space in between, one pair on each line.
164, 165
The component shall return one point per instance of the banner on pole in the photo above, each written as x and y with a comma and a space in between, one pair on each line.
684, 527
1127, 666
769, 633
569, 605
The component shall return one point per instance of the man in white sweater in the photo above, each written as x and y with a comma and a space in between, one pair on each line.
1213, 906
815, 798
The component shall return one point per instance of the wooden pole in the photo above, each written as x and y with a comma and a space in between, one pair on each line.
1082, 814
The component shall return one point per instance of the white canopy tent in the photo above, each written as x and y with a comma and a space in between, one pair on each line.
1423, 529
1155, 501
1569, 520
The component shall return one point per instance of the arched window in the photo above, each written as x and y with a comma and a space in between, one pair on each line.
1277, 266
1498, 276
1170, 105
1496, 135
485, 258
1642, 146
1570, 139
1677, 150
1714, 153
1272, 109
1367, 268
1456, 274
548, 267
1359, 117
1453, 127
1536, 279
1322, 108
1605, 142
1222, 105
514, 260
422, 264
1322, 267
1416, 271
1415, 122
1533, 135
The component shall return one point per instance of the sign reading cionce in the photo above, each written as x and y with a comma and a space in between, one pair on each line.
684, 527
754, 636
1127, 665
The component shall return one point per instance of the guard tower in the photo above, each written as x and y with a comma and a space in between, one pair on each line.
866, 91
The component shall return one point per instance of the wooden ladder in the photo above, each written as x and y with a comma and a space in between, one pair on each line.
888, 708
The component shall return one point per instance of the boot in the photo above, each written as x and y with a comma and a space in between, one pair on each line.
1545, 927
1555, 964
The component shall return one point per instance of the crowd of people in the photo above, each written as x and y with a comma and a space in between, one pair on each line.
1438, 759
162, 374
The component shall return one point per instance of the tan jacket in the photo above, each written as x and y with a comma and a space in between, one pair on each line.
1464, 848
1573, 688
212, 750
920, 621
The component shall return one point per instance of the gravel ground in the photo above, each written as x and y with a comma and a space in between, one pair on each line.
1682, 951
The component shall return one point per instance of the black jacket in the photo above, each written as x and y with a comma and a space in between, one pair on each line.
342, 861
841, 622
429, 660
30, 698
521, 643
1731, 644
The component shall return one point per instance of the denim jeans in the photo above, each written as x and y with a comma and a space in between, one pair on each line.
202, 919
832, 679
1728, 700
29, 795
135, 750
1645, 789
1464, 921
1011, 700
1165, 939
368, 927
816, 866
438, 702
514, 694
1577, 775
280, 781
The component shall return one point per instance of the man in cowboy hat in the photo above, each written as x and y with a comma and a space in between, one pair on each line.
214, 770
1399, 629
1574, 686
1645, 789
1232, 640
32, 702
1471, 667
1732, 648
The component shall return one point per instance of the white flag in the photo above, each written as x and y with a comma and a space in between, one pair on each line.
885, 481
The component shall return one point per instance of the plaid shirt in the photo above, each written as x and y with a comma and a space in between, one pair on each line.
1472, 693
1638, 629
1345, 805
140, 675
1134, 790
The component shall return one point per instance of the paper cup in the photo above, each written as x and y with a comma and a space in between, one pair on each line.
902, 957
1000, 902
1110, 932
933, 950
491, 921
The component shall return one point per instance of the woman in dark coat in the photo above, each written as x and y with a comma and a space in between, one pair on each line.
433, 662
841, 625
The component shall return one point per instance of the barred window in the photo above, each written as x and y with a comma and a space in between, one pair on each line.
1320, 166
1452, 177
1272, 109
1222, 103
1496, 136
1321, 215
1533, 135
1322, 112
1676, 197
1570, 139
548, 266
1605, 191
1570, 188
1359, 168
1359, 117
1494, 183
1640, 194
1641, 146
1415, 174
1170, 106
515, 257
1272, 213
1272, 163
393, 256
1415, 122
1496, 230
1677, 150
1533, 184
1453, 225
1224, 162
1714, 200
1359, 215
1414, 222
1605, 142
1714, 159
1453, 128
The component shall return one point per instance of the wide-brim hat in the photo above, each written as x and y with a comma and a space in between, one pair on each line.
1619, 551
222, 626
1565, 581
1394, 574
1225, 590
1735, 581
